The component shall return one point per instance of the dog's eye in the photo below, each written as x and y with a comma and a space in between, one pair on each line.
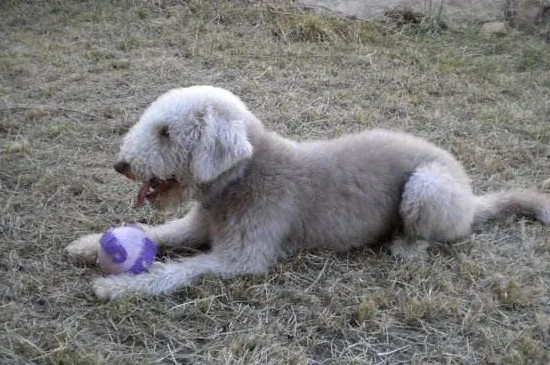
164, 132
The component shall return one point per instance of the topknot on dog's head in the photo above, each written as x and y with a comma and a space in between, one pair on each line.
193, 133
196, 99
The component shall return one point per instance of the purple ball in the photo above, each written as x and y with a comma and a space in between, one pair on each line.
126, 250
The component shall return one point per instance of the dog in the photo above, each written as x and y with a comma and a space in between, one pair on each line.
259, 197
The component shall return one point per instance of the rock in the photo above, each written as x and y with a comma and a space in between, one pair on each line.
496, 28
449, 10
529, 15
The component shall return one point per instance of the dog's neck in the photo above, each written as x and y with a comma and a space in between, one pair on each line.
208, 193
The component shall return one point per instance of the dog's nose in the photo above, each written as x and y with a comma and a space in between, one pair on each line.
122, 167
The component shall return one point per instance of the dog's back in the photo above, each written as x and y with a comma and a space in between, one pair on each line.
344, 192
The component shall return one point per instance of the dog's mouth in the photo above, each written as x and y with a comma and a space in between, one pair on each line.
153, 188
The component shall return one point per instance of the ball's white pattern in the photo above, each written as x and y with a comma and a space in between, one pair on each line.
125, 250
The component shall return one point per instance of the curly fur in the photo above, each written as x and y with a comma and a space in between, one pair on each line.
260, 196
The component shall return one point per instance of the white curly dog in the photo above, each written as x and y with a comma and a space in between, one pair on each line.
260, 196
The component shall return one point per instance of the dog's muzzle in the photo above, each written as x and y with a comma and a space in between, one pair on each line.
123, 167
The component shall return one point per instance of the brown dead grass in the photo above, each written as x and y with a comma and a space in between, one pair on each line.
74, 76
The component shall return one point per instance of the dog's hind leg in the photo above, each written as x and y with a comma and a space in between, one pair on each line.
437, 204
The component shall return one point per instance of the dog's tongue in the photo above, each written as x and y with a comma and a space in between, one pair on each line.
151, 190
142, 194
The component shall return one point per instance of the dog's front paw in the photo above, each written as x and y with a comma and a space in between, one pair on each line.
160, 279
112, 287
84, 249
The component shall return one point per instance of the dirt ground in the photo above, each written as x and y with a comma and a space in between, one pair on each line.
75, 75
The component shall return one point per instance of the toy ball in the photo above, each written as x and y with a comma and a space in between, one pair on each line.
125, 250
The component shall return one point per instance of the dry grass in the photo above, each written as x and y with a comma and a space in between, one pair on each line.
75, 75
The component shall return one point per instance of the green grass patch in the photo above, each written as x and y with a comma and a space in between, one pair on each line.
513, 296
305, 27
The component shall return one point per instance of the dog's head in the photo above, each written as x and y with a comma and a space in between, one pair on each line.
187, 136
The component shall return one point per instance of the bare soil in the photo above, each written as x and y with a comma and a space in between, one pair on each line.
75, 75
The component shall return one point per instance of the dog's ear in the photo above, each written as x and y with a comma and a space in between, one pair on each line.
222, 144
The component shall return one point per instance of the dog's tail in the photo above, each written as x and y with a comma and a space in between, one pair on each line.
527, 203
